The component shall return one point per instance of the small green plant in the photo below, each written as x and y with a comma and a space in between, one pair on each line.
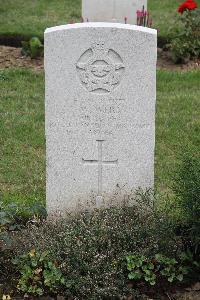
170, 268
32, 48
13, 216
185, 42
38, 274
150, 269
140, 268
9, 217
8, 222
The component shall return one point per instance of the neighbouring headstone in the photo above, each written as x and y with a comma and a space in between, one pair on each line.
112, 10
100, 112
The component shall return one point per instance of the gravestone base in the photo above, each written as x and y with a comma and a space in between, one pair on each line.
119, 198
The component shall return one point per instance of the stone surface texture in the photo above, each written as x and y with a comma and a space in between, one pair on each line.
112, 10
100, 113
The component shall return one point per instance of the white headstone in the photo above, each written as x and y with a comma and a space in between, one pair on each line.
112, 10
100, 112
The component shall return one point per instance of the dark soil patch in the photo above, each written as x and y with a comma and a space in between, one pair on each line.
14, 40
166, 291
163, 290
165, 62
182, 295
11, 57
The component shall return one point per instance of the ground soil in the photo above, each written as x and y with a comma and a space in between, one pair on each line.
152, 293
178, 296
178, 292
12, 57
165, 62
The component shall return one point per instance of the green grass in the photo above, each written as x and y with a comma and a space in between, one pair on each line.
30, 17
22, 142
177, 121
22, 160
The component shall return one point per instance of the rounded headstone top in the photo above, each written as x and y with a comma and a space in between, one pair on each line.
101, 25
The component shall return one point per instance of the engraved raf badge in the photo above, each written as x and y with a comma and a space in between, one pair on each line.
100, 69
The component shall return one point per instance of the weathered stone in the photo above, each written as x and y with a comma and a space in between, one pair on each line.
100, 112
112, 10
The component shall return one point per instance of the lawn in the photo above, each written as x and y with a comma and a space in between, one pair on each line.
30, 17
22, 142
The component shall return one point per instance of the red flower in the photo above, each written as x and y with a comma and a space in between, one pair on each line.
188, 4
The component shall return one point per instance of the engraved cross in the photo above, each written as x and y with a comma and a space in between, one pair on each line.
100, 162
